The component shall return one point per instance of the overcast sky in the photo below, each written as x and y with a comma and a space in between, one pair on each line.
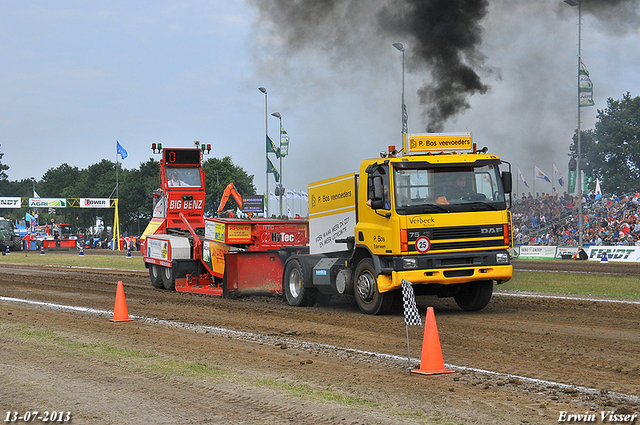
76, 76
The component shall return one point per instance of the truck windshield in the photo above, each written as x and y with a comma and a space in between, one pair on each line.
419, 189
183, 177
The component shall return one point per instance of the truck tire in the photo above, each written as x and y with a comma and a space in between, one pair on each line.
474, 296
369, 299
17, 243
168, 279
154, 276
293, 280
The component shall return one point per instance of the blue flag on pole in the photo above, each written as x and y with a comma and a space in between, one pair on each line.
121, 151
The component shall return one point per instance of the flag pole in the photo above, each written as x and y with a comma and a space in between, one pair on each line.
116, 222
411, 314
534, 182
406, 327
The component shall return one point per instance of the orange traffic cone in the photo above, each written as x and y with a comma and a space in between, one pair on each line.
431, 362
120, 312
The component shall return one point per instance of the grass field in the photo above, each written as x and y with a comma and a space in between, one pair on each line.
111, 260
582, 284
565, 283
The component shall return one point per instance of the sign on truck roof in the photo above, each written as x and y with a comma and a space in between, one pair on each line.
422, 143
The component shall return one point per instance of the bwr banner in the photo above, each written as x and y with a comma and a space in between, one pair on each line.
94, 203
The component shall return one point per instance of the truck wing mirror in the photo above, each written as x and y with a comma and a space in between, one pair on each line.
377, 192
507, 183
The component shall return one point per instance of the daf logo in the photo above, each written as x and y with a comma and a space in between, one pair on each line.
491, 230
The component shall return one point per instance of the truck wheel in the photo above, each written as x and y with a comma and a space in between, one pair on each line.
154, 275
17, 243
474, 296
368, 298
168, 279
293, 280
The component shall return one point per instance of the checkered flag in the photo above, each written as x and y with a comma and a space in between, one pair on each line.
411, 315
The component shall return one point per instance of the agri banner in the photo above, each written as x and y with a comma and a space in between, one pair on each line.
47, 203
629, 254
566, 251
10, 202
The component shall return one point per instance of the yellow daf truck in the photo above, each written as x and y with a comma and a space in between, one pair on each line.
436, 214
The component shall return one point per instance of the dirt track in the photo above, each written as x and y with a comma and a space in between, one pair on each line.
257, 360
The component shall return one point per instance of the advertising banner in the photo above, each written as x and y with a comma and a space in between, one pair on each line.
566, 251
253, 204
429, 142
94, 203
537, 252
10, 202
332, 212
47, 203
629, 254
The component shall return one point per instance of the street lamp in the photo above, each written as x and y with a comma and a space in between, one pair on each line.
400, 47
266, 131
578, 3
277, 115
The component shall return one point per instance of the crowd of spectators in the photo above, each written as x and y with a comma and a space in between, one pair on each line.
552, 219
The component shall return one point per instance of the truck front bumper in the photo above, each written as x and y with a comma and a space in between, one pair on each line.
388, 281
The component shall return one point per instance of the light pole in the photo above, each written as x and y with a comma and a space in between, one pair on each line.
266, 131
277, 115
33, 180
400, 47
578, 3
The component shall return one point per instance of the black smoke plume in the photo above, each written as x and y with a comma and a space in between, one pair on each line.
444, 35
441, 38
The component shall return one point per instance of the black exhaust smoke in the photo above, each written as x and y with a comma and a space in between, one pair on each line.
442, 38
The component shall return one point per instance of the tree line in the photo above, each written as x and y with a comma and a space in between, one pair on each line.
135, 191
611, 151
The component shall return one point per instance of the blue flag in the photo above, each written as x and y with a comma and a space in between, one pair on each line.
121, 151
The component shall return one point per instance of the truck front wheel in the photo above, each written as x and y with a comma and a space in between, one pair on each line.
154, 276
369, 299
474, 296
293, 280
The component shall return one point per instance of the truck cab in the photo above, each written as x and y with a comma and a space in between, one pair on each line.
438, 221
171, 243
436, 216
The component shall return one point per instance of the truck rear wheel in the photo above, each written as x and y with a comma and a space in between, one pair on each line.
293, 280
474, 296
369, 299
168, 279
154, 276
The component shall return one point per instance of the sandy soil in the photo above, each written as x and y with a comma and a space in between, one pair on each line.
196, 359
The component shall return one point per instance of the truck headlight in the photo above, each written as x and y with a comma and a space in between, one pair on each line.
409, 263
502, 258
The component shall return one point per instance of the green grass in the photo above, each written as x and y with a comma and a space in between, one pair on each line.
134, 359
305, 391
581, 284
115, 260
